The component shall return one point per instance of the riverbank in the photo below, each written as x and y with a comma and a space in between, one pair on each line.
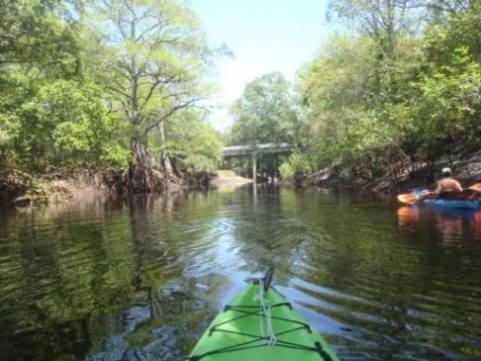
21, 189
228, 179
467, 169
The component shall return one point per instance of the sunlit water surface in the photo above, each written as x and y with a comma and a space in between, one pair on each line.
93, 281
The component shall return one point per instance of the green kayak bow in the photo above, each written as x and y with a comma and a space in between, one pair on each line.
259, 325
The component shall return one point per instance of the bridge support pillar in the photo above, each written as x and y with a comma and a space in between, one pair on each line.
254, 167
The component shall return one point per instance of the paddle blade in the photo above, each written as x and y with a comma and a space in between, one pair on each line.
476, 187
407, 198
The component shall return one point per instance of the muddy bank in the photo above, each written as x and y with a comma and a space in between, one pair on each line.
467, 169
20, 189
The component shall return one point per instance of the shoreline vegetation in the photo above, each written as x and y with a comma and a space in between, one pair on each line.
110, 96
21, 190
466, 169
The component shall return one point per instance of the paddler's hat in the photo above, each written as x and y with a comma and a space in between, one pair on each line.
446, 171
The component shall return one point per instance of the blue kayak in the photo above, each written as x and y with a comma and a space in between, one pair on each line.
453, 203
453, 200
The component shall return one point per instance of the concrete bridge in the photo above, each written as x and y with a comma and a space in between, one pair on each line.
237, 151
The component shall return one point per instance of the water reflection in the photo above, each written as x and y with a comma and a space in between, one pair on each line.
452, 224
129, 278
408, 216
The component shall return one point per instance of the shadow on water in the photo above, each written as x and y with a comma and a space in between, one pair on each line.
139, 280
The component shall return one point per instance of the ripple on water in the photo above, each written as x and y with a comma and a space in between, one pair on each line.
375, 288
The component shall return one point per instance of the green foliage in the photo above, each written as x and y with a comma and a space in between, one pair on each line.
371, 103
296, 167
353, 110
449, 108
190, 135
154, 57
197, 168
266, 112
193, 146
60, 123
68, 96
40, 33
336, 85
76, 121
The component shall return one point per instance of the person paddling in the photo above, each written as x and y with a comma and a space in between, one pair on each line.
447, 184
447, 188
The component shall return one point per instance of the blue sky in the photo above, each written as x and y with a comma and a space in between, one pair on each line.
265, 36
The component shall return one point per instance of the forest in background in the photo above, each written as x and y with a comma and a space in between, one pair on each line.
399, 88
119, 84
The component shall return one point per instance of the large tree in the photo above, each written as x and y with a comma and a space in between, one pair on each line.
155, 59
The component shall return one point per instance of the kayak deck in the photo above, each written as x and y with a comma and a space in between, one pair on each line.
241, 332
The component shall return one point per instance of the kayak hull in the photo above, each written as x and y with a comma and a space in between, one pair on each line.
453, 204
239, 333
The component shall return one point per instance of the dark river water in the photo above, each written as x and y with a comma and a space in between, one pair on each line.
108, 280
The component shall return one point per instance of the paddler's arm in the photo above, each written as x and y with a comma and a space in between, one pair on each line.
433, 194
438, 190
459, 188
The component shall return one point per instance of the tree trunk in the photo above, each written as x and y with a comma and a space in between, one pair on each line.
168, 169
140, 168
